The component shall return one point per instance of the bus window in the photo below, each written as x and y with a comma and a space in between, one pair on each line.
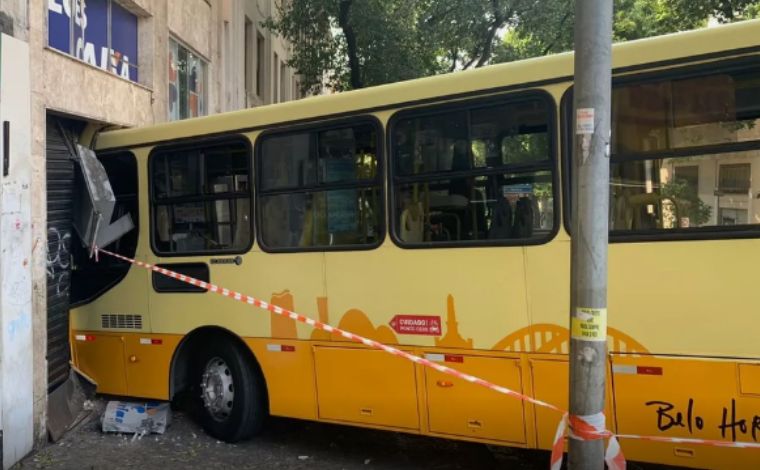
201, 199
91, 277
480, 174
320, 189
682, 153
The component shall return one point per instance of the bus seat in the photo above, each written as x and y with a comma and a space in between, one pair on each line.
501, 222
478, 214
163, 228
523, 221
411, 224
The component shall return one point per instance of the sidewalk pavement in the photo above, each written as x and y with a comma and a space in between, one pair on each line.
285, 445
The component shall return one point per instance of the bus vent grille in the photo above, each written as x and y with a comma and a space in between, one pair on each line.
121, 321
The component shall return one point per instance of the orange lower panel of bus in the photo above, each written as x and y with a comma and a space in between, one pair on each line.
648, 395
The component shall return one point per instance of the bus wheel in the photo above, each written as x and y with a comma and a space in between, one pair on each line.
232, 401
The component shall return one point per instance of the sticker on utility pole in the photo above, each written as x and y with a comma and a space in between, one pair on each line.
589, 324
584, 121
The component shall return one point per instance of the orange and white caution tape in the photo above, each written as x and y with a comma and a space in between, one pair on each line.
580, 427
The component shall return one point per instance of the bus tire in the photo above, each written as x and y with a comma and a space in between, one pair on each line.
231, 405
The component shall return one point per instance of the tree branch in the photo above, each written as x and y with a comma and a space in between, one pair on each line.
488, 45
454, 57
498, 22
560, 30
433, 19
350, 34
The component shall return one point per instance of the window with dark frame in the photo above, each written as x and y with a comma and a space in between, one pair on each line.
276, 79
187, 82
260, 61
248, 51
201, 199
320, 189
735, 178
682, 153
475, 174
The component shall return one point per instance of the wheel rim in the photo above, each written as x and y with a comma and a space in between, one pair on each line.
218, 390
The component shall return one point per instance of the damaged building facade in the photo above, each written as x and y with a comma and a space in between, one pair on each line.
93, 65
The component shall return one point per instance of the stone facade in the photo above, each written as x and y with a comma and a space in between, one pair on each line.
245, 66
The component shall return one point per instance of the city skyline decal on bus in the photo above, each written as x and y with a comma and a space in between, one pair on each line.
538, 338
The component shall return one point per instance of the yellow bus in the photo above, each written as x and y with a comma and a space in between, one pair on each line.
432, 215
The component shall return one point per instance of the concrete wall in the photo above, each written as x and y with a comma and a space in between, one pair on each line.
16, 338
190, 21
258, 11
61, 84
14, 18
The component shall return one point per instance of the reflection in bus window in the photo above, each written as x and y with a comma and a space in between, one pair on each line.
474, 175
685, 113
201, 199
652, 187
320, 189
686, 192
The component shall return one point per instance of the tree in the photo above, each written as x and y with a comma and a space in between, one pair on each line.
724, 11
351, 44
549, 28
358, 43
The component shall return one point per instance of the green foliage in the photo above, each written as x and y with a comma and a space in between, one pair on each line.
317, 54
723, 10
353, 44
687, 202
634, 19
349, 44
357, 43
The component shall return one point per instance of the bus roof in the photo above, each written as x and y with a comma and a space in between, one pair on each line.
706, 43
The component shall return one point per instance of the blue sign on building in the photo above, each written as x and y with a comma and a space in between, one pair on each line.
85, 30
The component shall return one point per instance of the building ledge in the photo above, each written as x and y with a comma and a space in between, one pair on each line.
106, 72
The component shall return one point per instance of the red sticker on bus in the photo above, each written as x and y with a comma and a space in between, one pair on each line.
416, 325
453, 358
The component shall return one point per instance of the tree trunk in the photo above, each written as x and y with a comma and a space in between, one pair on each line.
348, 31
498, 22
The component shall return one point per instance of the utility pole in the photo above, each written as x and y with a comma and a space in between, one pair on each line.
590, 220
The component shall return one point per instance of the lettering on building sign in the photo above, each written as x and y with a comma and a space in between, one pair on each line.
104, 34
731, 426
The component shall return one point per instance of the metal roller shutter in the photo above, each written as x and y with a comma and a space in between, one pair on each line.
60, 192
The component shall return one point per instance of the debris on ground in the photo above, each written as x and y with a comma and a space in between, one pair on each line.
136, 418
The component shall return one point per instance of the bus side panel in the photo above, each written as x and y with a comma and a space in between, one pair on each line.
687, 398
98, 330
550, 378
288, 368
122, 363
148, 364
100, 356
696, 298
458, 408
366, 387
